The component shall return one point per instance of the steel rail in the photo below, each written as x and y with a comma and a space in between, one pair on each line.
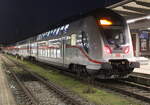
124, 87
132, 85
31, 99
26, 90
59, 90
128, 88
140, 78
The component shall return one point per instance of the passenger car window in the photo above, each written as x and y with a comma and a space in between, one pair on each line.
73, 39
68, 40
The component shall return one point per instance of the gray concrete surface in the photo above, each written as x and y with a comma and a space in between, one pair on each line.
143, 68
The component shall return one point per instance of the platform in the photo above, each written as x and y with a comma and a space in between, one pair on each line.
6, 96
145, 69
143, 60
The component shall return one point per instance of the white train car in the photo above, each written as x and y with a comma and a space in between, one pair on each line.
98, 43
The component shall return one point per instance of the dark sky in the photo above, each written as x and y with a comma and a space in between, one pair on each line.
20, 19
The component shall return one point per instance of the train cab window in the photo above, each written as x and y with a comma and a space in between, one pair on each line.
114, 35
85, 42
113, 29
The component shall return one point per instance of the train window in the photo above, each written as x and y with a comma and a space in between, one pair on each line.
66, 27
73, 39
85, 42
40, 52
51, 51
51, 32
47, 34
40, 37
68, 39
45, 50
114, 35
79, 40
44, 35
58, 53
62, 28
54, 31
55, 52
48, 52
57, 31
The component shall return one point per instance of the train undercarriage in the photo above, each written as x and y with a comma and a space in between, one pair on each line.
111, 70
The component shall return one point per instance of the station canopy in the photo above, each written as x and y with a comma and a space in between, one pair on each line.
135, 11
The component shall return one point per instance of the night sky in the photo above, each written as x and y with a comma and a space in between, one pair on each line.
21, 19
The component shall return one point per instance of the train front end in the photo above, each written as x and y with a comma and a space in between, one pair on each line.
117, 50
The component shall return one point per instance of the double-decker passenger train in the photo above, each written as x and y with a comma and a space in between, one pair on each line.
98, 43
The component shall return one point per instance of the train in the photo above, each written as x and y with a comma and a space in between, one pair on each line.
97, 43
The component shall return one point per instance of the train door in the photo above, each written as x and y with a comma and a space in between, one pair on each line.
63, 48
70, 52
60, 51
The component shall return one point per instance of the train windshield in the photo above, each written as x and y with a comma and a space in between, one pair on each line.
114, 35
112, 26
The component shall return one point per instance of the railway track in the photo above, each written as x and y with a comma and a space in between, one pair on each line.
140, 78
66, 95
127, 87
138, 91
23, 91
131, 89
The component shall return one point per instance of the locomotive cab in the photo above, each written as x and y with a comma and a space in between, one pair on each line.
117, 49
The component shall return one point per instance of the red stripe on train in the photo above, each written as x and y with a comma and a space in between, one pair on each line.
68, 46
92, 60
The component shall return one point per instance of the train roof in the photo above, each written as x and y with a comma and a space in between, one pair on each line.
95, 12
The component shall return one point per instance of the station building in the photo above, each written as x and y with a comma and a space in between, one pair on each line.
137, 14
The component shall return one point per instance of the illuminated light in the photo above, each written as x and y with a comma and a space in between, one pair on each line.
148, 17
105, 22
107, 49
131, 21
126, 49
123, 62
138, 19
148, 28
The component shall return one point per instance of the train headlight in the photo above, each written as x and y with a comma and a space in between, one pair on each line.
126, 49
105, 22
107, 49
